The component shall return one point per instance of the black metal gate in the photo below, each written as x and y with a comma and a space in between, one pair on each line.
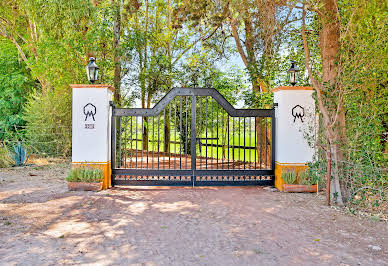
193, 137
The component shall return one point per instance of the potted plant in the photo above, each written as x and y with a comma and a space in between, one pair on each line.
298, 183
85, 178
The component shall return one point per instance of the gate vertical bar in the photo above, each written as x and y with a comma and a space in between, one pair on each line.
228, 137
193, 137
153, 141
125, 142
244, 143
261, 142
113, 143
255, 142
265, 143
118, 141
206, 119
180, 137
131, 148
273, 143
217, 133
136, 138
175, 155
187, 133
169, 137
158, 138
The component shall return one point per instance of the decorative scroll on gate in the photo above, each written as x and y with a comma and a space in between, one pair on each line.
193, 137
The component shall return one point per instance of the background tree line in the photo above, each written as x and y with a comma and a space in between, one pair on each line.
144, 48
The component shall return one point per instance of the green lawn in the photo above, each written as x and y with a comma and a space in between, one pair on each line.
239, 154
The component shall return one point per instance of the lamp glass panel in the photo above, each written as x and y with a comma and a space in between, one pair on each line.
96, 74
92, 71
292, 77
87, 72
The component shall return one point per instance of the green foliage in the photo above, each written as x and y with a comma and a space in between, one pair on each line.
317, 171
19, 155
256, 99
364, 75
85, 174
289, 176
15, 84
5, 160
48, 118
304, 178
54, 39
295, 51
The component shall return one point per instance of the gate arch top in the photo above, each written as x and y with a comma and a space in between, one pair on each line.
233, 112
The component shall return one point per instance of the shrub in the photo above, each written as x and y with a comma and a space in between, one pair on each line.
5, 160
85, 174
289, 176
48, 118
15, 85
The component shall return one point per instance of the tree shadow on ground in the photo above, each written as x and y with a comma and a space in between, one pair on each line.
83, 227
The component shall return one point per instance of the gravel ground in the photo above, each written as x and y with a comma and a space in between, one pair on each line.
41, 223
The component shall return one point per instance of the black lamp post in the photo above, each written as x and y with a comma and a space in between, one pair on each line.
92, 70
293, 73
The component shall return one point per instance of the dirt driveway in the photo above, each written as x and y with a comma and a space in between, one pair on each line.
42, 223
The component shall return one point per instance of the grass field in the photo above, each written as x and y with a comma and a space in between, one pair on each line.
241, 148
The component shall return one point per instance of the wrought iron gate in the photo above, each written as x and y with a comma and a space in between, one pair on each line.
193, 137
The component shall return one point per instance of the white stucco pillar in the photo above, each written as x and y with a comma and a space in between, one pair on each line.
295, 128
91, 127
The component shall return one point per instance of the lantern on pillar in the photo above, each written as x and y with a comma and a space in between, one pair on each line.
92, 70
293, 73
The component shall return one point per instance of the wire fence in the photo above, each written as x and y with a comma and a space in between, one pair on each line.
364, 175
46, 141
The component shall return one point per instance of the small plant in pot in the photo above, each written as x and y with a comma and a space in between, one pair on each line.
298, 183
85, 178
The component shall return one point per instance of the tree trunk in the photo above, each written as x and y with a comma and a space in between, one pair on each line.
145, 125
116, 50
117, 70
330, 48
329, 94
166, 135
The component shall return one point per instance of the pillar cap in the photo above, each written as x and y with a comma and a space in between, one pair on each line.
102, 86
292, 88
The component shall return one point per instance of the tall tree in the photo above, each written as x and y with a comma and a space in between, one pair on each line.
53, 38
117, 10
256, 28
43, 31
155, 46
330, 95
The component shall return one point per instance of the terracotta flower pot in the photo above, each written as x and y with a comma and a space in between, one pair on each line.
84, 186
299, 188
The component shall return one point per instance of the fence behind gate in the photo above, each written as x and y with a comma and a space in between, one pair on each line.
193, 137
